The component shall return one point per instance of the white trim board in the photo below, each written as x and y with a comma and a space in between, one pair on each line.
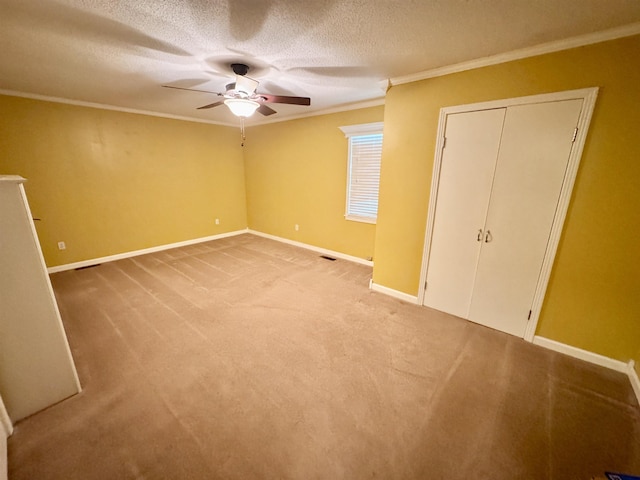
323, 251
594, 358
102, 106
585, 355
544, 48
5, 421
376, 102
633, 377
405, 297
144, 251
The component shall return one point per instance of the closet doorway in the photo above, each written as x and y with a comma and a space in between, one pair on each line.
502, 180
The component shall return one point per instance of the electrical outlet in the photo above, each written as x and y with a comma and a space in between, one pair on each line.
62, 246
217, 221
296, 227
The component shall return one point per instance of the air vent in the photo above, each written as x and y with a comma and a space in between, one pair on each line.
328, 258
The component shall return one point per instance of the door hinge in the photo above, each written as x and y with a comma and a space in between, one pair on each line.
529, 317
425, 285
575, 134
444, 142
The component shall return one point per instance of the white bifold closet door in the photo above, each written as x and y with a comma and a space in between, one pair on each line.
510, 165
466, 176
534, 153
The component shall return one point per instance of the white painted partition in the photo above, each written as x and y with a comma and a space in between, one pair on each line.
5, 431
36, 367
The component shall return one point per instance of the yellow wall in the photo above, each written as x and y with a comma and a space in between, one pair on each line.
592, 301
296, 173
109, 182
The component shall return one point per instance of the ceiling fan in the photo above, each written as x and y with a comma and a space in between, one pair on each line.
241, 96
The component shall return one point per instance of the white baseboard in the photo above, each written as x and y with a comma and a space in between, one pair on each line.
393, 293
633, 377
594, 358
585, 355
135, 253
323, 251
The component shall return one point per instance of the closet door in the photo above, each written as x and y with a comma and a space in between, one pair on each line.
534, 153
466, 175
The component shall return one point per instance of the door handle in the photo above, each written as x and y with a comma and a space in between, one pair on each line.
479, 237
488, 237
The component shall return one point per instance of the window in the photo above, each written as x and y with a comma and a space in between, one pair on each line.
363, 174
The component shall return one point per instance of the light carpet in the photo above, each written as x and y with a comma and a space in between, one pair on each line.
245, 358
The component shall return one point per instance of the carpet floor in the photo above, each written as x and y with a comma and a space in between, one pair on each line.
246, 358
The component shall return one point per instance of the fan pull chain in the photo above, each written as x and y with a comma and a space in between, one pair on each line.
242, 137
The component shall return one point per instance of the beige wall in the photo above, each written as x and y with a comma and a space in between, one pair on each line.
107, 182
592, 300
296, 173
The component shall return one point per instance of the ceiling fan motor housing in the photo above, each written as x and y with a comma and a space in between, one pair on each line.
239, 68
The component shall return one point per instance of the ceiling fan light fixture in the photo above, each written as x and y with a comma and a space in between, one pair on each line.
241, 107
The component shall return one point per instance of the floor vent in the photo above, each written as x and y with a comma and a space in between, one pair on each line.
326, 257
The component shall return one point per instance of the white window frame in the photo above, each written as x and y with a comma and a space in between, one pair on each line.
351, 131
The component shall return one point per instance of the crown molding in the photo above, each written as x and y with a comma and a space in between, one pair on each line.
376, 102
103, 106
342, 108
362, 129
550, 47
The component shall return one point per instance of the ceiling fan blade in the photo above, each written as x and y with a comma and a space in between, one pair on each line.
211, 105
266, 110
246, 84
193, 90
284, 99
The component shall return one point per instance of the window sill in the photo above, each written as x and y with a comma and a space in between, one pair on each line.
355, 218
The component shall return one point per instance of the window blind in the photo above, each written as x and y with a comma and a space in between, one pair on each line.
365, 152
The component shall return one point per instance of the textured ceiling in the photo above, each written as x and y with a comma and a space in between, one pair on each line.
119, 53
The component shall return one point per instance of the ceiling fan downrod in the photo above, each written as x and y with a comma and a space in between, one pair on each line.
242, 135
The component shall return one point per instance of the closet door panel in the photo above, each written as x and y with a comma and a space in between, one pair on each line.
534, 153
466, 174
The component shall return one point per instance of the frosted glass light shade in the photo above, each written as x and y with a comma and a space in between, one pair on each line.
241, 107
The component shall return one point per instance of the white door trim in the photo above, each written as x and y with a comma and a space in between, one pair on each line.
588, 95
